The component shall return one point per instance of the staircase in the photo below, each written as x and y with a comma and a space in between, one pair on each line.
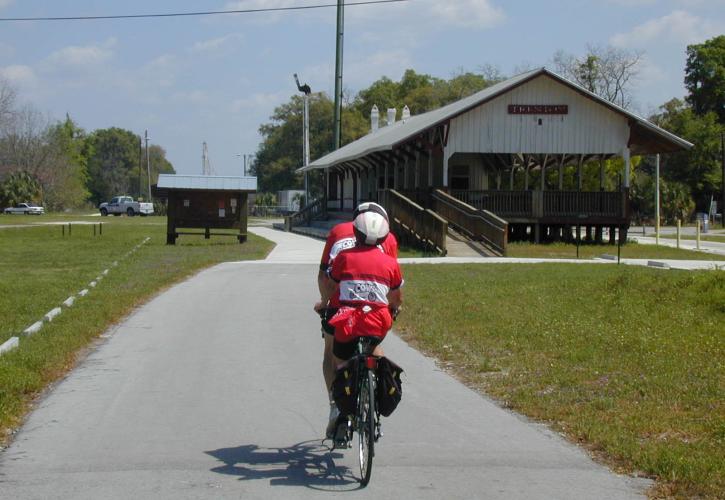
319, 228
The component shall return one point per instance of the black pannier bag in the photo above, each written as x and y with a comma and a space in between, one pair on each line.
389, 389
344, 387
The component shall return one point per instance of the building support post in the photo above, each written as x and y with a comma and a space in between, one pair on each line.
417, 170
657, 199
561, 172
601, 173
625, 157
579, 173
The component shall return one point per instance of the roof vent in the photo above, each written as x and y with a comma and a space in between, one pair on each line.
406, 113
374, 119
391, 115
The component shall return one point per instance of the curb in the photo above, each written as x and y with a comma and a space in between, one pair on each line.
14, 342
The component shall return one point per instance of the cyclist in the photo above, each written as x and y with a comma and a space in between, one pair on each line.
366, 284
341, 237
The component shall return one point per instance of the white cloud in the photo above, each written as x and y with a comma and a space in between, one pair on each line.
215, 43
363, 71
85, 55
19, 74
468, 13
260, 101
193, 96
679, 26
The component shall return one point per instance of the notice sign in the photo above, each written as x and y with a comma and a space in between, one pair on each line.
538, 109
233, 202
186, 203
222, 212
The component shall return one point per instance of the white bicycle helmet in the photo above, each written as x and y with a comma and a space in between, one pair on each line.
370, 227
370, 206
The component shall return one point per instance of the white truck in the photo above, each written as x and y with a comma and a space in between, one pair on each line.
125, 205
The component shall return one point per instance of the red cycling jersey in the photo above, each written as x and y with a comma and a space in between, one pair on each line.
365, 276
342, 237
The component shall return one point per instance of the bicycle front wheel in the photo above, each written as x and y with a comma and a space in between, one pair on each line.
366, 427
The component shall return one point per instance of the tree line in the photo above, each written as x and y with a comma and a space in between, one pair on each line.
61, 166
688, 179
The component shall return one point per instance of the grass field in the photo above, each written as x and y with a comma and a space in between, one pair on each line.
39, 268
629, 251
627, 361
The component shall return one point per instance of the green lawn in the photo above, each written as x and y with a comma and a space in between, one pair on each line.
587, 251
39, 268
628, 361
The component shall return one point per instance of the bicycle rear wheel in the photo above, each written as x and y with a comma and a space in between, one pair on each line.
366, 427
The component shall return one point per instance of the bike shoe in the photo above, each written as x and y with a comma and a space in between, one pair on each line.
332, 421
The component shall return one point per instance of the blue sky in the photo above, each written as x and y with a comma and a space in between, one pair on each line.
217, 78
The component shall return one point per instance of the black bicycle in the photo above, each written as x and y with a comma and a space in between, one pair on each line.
366, 419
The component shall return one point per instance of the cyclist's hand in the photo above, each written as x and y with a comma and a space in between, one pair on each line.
394, 311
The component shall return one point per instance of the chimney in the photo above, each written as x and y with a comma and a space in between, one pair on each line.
374, 119
391, 115
406, 113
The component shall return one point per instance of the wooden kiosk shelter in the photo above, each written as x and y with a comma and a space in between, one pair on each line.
493, 165
205, 202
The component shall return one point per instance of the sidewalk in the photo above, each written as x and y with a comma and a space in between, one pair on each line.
297, 249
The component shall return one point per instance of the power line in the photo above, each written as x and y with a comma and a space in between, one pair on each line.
205, 13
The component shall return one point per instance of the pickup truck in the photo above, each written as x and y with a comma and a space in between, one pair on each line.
125, 205
25, 208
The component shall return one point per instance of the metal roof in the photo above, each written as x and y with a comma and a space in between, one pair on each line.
207, 182
386, 138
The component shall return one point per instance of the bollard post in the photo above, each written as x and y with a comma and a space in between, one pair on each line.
697, 232
619, 244
69, 229
94, 230
644, 233
678, 233
62, 230
100, 228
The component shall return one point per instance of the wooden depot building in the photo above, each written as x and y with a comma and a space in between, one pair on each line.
492, 165
205, 202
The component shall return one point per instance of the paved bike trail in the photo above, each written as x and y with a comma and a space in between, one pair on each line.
213, 390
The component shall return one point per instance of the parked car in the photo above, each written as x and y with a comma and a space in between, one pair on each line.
25, 208
125, 205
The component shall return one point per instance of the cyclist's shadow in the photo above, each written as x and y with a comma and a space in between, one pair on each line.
309, 463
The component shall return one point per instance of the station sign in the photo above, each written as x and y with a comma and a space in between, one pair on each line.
538, 109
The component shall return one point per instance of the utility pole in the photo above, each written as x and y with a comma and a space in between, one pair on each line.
338, 72
722, 198
140, 160
148, 162
306, 91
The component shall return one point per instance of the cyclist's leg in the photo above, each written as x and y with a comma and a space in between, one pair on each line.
328, 362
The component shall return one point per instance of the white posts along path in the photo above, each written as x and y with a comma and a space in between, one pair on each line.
214, 390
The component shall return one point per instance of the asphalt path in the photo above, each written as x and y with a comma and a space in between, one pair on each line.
214, 390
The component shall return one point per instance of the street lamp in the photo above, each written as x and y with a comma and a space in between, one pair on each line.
306, 91
244, 162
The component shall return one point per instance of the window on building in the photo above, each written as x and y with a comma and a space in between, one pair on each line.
460, 178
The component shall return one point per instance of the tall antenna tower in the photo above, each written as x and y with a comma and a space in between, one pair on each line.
205, 163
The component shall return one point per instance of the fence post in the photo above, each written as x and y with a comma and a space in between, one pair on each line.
69, 229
